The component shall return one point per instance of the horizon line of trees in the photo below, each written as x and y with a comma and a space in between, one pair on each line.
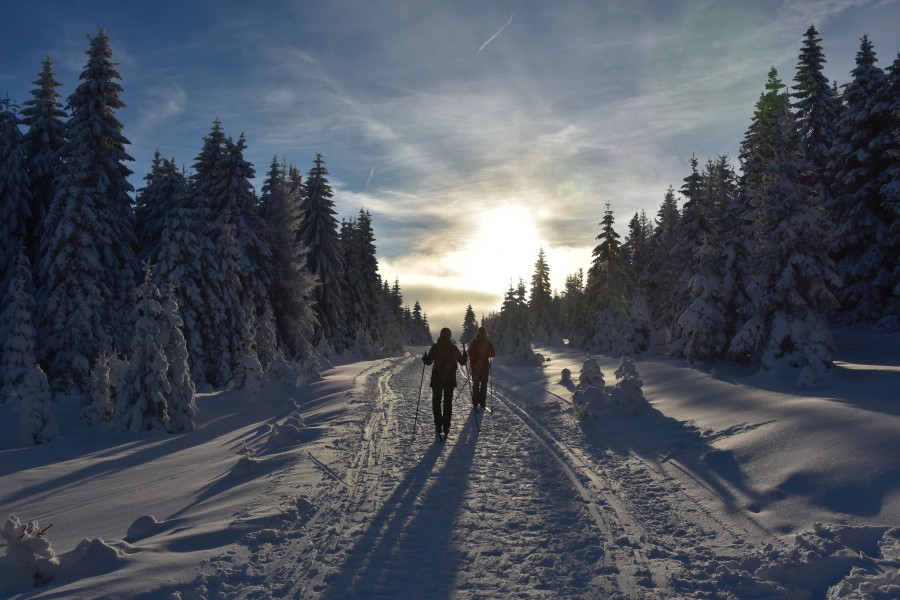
755, 266
248, 280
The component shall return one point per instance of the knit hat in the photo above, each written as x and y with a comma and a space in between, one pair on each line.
445, 332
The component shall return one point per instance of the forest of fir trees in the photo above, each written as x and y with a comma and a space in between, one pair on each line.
756, 266
135, 299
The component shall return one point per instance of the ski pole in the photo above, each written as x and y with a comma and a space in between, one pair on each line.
491, 368
467, 380
416, 420
472, 393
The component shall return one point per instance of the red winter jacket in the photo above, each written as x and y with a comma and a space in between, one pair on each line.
480, 353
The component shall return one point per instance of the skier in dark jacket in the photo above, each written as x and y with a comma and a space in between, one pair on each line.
480, 354
445, 356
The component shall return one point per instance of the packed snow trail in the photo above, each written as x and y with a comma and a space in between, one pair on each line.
534, 505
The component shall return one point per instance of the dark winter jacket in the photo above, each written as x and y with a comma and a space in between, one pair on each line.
480, 353
445, 356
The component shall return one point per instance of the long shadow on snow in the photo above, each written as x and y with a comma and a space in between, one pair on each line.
408, 549
657, 439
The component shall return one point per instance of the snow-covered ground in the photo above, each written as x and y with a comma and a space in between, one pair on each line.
724, 485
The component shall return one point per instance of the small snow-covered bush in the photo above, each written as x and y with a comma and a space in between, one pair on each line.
589, 390
249, 373
627, 392
38, 423
591, 376
566, 378
29, 551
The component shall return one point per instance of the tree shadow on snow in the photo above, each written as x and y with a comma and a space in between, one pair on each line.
408, 549
658, 439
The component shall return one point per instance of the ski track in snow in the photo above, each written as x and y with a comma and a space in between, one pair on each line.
528, 507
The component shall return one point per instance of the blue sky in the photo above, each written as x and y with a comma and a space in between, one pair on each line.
474, 132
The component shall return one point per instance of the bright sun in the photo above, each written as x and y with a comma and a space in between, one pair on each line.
505, 248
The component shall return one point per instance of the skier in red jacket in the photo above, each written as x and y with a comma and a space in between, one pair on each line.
480, 354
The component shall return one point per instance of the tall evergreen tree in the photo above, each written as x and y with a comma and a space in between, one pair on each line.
891, 187
15, 209
187, 264
319, 233
362, 297
87, 257
421, 331
236, 201
292, 286
142, 397
607, 291
469, 326
44, 141
758, 146
663, 288
18, 338
181, 400
540, 303
792, 271
858, 208
816, 111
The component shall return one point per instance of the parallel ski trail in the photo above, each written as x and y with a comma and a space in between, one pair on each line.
523, 508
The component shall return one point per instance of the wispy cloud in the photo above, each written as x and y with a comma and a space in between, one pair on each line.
160, 103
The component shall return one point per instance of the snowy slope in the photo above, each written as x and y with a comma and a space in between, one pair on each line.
725, 485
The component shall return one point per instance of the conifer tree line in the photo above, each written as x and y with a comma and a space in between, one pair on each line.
756, 265
134, 298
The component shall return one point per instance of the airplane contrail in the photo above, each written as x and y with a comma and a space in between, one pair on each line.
494, 37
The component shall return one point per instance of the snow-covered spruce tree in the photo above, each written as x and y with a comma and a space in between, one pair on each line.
421, 333
160, 197
662, 288
891, 188
362, 288
692, 231
228, 197
18, 337
225, 342
703, 324
100, 402
757, 148
86, 270
142, 399
38, 423
182, 405
710, 322
292, 286
15, 209
578, 326
238, 202
607, 293
217, 187
540, 303
860, 165
469, 326
636, 248
816, 110
319, 233
187, 265
792, 272
757, 152
44, 140
389, 327
512, 329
